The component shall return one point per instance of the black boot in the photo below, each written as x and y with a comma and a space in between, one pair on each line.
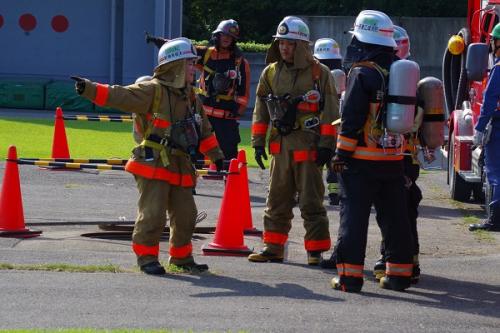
379, 269
330, 263
334, 199
314, 258
265, 256
192, 267
153, 268
491, 224
347, 284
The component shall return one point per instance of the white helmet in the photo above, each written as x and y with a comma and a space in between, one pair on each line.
374, 27
326, 48
292, 27
176, 49
402, 42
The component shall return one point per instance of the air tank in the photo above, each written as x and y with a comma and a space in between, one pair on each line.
339, 80
431, 98
401, 99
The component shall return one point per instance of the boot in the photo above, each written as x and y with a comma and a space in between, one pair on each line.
491, 224
153, 268
397, 283
265, 256
347, 284
192, 267
314, 258
415, 274
334, 199
330, 263
379, 269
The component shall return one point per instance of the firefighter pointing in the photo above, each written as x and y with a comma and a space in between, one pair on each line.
369, 159
174, 129
296, 95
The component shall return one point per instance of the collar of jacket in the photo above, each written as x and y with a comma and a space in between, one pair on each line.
303, 57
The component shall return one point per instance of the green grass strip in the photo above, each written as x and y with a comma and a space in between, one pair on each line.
107, 268
33, 139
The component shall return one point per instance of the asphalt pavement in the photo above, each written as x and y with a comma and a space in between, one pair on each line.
459, 290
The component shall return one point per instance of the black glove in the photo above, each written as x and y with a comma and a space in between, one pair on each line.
260, 153
338, 164
79, 84
219, 164
324, 156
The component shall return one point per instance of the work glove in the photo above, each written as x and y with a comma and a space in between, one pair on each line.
338, 164
324, 156
219, 164
260, 153
79, 84
478, 138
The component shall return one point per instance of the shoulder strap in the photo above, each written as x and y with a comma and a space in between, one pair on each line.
207, 55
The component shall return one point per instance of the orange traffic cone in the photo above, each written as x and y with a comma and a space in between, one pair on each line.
59, 142
228, 240
246, 211
11, 202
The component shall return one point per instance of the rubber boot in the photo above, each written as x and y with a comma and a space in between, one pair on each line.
347, 284
330, 263
334, 199
314, 258
379, 269
191, 267
265, 256
415, 275
153, 268
397, 283
491, 224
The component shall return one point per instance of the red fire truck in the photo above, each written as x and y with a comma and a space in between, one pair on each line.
465, 73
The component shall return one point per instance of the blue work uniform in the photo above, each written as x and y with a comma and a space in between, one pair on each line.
491, 111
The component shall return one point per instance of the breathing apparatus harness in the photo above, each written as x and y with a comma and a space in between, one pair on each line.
283, 109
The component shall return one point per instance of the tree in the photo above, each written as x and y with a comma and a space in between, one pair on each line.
258, 19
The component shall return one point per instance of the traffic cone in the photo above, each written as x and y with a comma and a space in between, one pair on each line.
59, 142
11, 202
228, 240
246, 211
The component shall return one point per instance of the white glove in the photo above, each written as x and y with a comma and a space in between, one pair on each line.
478, 138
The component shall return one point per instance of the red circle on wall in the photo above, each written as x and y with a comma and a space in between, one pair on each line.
1, 21
60, 23
27, 22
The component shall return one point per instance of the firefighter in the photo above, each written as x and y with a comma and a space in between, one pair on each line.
411, 171
176, 126
369, 161
297, 96
224, 84
487, 134
327, 51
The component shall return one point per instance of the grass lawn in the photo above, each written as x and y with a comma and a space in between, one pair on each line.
33, 139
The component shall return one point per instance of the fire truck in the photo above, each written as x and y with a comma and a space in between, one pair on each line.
466, 63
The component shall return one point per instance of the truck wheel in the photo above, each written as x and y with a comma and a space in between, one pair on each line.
460, 190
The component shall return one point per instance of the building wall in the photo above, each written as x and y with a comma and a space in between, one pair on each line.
103, 39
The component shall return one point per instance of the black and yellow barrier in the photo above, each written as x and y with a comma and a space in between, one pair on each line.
116, 119
69, 165
113, 161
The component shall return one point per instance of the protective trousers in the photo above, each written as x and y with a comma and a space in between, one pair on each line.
492, 166
413, 196
382, 184
156, 197
228, 135
287, 178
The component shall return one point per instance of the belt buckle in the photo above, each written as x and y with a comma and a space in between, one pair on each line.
311, 122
